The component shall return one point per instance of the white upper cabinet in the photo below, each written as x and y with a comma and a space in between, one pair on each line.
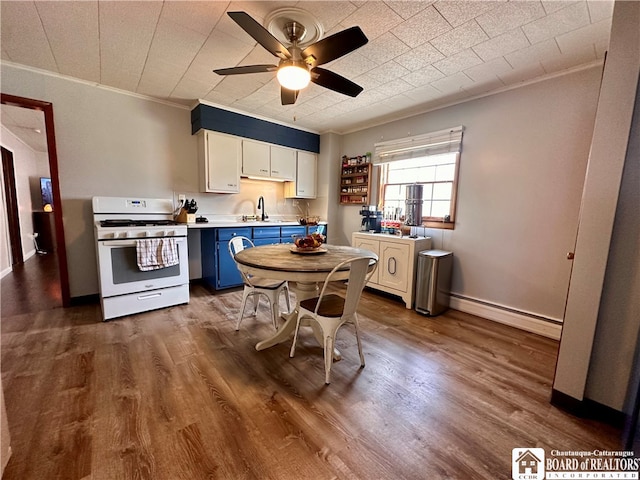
268, 161
256, 158
219, 160
283, 163
305, 183
223, 159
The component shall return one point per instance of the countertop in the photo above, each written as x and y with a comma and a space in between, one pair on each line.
236, 224
389, 236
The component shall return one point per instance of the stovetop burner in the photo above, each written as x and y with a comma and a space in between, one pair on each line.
136, 223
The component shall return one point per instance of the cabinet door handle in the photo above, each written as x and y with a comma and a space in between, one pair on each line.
395, 265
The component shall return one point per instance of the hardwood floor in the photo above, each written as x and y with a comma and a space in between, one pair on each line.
31, 287
179, 394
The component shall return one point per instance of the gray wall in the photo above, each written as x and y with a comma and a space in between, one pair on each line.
115, 144
521, 175
108, 144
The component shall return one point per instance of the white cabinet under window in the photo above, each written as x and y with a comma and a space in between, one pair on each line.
219, 159
268, 161
304, 185
397, 259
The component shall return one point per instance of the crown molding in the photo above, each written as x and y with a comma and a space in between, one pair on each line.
391, 118
93, 84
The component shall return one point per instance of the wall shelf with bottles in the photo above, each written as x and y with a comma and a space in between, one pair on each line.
355, 180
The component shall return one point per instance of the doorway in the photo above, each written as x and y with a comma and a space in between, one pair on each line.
11, 199
60, 252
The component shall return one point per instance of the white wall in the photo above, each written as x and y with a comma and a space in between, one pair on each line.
521, 175
29, 166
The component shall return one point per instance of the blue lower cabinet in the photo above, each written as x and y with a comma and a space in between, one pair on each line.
265, 241
219, 270
266, 235
228, 233
218, 267
227, 272
265, 232
287, 232
317, 228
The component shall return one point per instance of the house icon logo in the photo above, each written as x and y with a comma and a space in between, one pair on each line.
527, 464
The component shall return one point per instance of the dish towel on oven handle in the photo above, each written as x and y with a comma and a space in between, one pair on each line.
156, 253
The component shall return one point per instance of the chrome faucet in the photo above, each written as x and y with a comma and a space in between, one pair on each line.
261, 206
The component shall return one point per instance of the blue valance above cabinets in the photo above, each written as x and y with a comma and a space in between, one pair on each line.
232, 123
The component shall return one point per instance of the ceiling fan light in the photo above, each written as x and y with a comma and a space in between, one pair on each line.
293, 77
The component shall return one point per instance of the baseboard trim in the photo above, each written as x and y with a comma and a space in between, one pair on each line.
587, 409
546, 327
6, 272
29, 254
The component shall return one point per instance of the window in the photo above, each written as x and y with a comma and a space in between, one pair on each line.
428, 160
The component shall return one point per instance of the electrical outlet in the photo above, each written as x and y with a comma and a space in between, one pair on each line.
181, 197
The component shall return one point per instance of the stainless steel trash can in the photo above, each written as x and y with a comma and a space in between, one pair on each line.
434, 281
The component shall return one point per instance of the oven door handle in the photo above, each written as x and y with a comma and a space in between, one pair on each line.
132, 243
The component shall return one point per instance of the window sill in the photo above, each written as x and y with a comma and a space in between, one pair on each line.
437, 224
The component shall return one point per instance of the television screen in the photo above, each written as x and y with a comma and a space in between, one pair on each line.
47, 191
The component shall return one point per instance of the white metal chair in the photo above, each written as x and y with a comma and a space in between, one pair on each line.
331, 311
256, 286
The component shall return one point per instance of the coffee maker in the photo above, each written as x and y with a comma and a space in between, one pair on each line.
371, 219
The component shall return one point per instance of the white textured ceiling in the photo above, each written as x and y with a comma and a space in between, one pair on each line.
420, 55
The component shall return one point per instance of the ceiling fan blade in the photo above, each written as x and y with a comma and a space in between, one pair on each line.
246, 69
287, 96
260, 34
335, 82
335, 46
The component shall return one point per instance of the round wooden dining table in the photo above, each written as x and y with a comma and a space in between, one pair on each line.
284, 262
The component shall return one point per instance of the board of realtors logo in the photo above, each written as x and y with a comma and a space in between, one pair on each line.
527, 464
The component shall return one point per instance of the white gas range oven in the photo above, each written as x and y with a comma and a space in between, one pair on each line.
127, 229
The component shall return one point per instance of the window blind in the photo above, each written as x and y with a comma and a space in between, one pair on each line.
435, 143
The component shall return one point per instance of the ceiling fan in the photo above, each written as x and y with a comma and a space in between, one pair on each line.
298, 66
